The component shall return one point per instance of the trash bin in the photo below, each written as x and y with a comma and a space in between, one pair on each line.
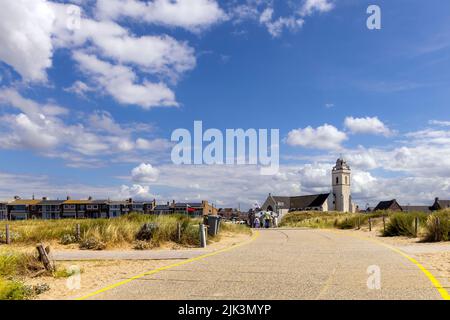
213, 225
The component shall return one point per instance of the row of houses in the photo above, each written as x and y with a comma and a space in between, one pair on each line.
23, 209
393, 205
232, 214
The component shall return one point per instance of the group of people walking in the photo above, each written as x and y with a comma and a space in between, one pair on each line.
265, 220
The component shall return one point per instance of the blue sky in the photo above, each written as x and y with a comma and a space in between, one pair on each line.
90, 110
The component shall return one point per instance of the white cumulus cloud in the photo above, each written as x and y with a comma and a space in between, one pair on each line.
326, 137
193, 15
145, 173
25, 37
311, 6
276, 26
367, 125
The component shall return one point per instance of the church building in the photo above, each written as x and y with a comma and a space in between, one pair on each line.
339, 200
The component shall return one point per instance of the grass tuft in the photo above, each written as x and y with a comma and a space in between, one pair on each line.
438, 227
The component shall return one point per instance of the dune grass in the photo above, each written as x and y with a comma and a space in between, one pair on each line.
326, 220
403, 224
234, 228
14, 265
397, 223
437, 227
99, 234
111, 232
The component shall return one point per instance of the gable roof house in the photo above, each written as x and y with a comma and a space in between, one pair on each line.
391, 205
440, 205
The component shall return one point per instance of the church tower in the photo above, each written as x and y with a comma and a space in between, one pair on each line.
341, 175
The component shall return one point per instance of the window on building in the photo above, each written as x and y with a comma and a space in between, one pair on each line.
337, 180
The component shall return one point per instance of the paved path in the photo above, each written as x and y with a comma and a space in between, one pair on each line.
286, 264
127, 255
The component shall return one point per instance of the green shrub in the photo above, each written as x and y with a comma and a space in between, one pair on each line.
143, 245
40, 288
346, 224
92, 244
147, 231
64, 273
68, 239
14, 290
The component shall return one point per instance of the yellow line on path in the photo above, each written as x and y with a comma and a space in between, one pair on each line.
445, 295
154, 271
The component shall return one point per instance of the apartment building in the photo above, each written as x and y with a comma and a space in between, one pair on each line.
23, 209
51, 209
3, 210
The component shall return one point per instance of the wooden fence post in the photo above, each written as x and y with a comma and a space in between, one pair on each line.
438, 229
416, 226
7, 235
179, 232
370, 224
384, 224
43, 257
359, 222
78, 232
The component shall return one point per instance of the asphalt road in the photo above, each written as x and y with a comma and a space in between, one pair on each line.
286, 264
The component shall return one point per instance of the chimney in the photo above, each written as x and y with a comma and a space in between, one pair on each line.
68, 197
44, 198
173, 202
154, 203
16, 198
33, 197
90, 198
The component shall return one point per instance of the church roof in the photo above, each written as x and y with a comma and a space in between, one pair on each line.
282, 202
300, 202
310, 201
